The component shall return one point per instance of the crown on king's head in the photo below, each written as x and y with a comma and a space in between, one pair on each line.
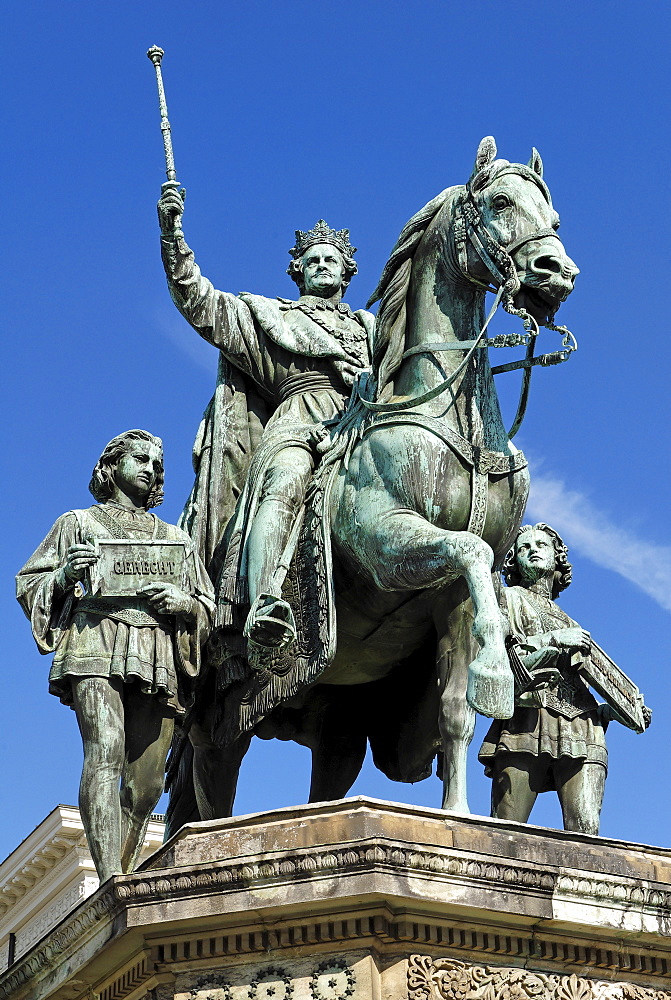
322, 233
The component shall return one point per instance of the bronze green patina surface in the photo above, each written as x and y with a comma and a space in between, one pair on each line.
556, 737
125, 664
386, 629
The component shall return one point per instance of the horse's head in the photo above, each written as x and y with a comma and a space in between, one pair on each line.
499, 231
506, 234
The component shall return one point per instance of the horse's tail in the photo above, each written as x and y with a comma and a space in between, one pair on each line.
182, 805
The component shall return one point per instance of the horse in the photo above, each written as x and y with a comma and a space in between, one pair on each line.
429, 498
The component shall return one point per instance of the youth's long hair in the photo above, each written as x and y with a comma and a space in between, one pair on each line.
102, 478
563, 568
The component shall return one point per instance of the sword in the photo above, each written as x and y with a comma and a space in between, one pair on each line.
156, 54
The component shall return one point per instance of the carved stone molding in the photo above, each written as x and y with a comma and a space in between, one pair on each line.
374, 853
611, 889
380, 854
101, 908
169, 953
449, 979
380, 928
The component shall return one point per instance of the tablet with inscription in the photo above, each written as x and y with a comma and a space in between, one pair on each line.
125, 565
614, 686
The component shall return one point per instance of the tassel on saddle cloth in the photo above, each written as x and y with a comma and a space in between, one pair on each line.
483, 463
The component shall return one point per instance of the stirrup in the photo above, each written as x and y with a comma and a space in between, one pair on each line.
270, 623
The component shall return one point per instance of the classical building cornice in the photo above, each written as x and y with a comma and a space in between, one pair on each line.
58, 837
47, 876
39, 853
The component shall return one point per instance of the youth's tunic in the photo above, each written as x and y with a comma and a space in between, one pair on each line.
113, 637
569, 724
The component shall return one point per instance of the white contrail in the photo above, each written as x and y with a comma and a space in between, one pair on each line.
181, 336
591, 533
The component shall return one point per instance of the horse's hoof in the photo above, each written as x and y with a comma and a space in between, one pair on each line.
491, 694
270, 623
457, 809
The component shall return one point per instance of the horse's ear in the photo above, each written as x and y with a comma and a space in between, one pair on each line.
535, 163
486, 154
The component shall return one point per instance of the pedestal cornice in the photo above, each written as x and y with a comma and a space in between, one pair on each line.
360, 874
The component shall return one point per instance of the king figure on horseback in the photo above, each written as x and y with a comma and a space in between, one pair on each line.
399, 637
285, 368
301, 357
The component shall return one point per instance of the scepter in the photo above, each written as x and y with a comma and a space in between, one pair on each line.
156, 54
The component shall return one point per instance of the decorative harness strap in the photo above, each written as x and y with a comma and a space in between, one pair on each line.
483, 463
469, 227
407, 404
498, 260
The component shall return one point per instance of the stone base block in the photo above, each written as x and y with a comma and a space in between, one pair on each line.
367, 900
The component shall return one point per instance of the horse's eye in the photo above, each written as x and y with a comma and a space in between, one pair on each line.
500, 202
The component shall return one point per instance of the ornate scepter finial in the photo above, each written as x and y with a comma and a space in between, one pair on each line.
155, 54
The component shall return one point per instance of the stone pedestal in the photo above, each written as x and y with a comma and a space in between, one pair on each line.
367, 900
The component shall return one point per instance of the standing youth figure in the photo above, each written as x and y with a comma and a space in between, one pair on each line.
556, 740
123, 664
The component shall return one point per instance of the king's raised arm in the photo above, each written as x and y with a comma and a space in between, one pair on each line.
223, 319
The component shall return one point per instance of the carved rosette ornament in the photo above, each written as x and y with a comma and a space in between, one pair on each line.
448, 979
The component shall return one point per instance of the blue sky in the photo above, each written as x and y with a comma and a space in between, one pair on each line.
360, 113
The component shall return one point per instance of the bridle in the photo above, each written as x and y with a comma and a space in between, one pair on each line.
469, 228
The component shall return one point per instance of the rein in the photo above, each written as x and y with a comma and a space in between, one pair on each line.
407, 404
469, 228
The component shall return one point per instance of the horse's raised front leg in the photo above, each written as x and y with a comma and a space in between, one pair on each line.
453, 618
404, 551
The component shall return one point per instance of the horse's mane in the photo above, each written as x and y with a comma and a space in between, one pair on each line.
392, 289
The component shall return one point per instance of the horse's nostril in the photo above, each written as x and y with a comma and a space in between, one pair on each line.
547, 262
